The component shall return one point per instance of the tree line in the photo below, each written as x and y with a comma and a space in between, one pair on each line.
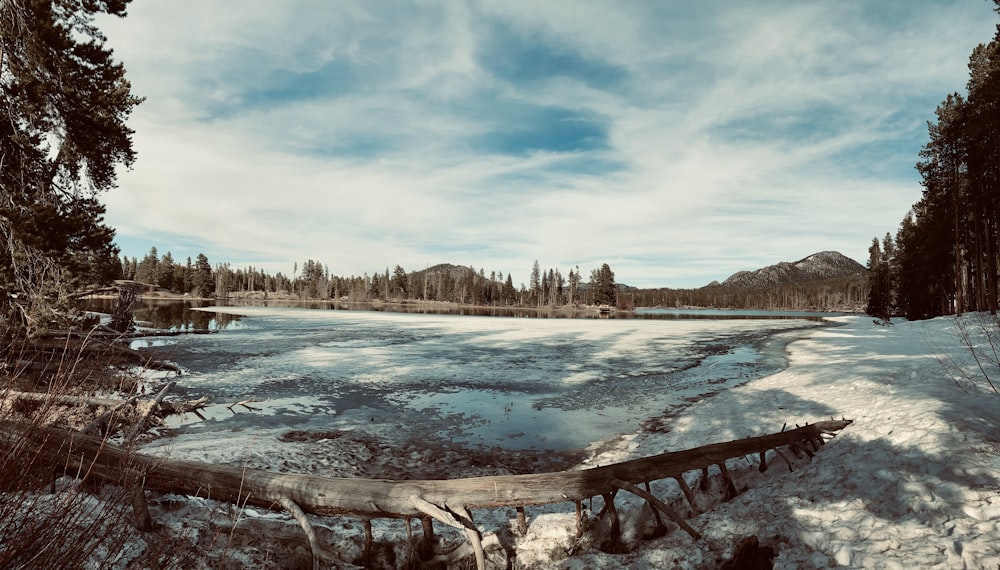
314, 281
835, 294
943, 257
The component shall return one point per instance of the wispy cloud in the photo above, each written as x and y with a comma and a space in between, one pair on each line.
677, 143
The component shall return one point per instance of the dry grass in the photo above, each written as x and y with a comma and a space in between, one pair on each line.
53, 512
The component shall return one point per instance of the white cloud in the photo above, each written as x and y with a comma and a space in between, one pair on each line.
679, 144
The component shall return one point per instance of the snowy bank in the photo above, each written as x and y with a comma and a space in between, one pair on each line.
915, 482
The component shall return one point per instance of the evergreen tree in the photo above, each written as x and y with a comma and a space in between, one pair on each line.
62, 137
203, 280
446, 286
536, 283
165, 275
602, 283
400, 282
950, 243
148, 270
574, 285
509, 292
878, 275
543, 293
187, 280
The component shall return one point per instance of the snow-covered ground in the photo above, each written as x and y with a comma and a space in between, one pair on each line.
913, 483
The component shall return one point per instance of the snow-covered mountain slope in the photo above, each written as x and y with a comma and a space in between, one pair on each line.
818, 266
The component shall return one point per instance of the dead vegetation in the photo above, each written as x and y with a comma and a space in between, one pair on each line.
55, 513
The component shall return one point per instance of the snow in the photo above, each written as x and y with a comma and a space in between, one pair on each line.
914, 482
482, 381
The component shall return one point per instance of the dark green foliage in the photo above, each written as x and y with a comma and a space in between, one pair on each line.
400, 283
880, 299
602, 283
203, 281
314, 281
948, 244
834, 294
64, 103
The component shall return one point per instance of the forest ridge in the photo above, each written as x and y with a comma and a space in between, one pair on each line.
826, 281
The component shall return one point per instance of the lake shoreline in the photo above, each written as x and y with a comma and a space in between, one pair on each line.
446, 448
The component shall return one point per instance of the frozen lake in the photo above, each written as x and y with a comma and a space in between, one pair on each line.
494, 382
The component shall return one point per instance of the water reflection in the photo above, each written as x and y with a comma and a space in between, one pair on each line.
172, 315
527, 312
178, 315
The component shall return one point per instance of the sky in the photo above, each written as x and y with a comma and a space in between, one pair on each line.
678, 142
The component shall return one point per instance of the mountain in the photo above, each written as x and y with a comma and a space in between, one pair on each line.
816, 267
456, 272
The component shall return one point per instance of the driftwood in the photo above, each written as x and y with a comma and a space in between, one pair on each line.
165, 407
447, 501
106, 333
157, 407
91, 346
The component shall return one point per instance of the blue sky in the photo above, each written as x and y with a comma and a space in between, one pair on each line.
677, 142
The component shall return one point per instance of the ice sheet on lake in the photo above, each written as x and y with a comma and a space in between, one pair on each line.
511, 382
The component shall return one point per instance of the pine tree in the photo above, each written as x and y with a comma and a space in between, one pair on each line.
62, 138
148, 270
400, 283
203, 280
187, 280
602, 282
878, 288
574, 285
165, 274
536, 283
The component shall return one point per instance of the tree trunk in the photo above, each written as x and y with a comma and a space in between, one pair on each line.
447, 500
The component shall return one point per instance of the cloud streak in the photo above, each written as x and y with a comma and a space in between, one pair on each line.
679, 144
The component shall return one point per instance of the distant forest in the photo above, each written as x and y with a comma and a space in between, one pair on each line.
312, 280
943, 258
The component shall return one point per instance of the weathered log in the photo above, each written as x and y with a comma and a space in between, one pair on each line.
303, 521
731, 491
472, 533
106, 333
246, 404
67, 399
106, 416
164, 407
688, 493
658, 504
579, 519
94, 346
387, 498
150, 409
448, 501
614, 544
522, 520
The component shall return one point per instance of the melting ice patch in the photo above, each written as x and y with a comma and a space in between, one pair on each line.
511, 382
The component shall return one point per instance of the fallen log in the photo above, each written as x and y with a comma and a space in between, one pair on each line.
158, 407
95, 346
109, 334
448, 501
167, 407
